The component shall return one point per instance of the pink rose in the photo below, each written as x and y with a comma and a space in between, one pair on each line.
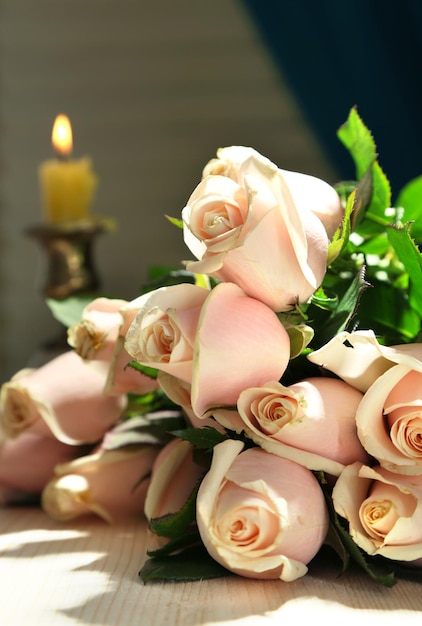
174, 476
99, 338
250, 232
109, 483
389, 419
27, 464
308, 193
162, 335
259, 515
122, 378
217, 341
64, 399
239, 343
384, 511
93, 338
311, 422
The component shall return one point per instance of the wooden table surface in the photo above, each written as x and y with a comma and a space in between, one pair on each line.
86, 572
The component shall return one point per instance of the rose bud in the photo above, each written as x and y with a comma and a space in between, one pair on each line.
259, 515
174, 476
109, 483
383, 509
311, 422
93, 338
27, 464
99, 338
249, 232
64, 399
163, 332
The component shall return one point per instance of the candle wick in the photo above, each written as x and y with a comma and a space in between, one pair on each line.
60, 156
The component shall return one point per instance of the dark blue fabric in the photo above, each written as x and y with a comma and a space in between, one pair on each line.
335, 54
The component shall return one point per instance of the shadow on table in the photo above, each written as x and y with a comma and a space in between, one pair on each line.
118, 553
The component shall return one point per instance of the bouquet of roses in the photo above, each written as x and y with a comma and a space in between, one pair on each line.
259, 404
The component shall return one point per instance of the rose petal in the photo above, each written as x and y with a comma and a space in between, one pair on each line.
240, 342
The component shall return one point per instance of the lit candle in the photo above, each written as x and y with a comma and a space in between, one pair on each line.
67, 185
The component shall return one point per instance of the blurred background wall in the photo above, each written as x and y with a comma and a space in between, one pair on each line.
152, 89
336, 54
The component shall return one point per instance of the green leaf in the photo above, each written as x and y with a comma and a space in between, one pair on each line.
203, 438
69, 311
176, 545
356, 137
193, 564
381, 574
151, 372
411, 258
346, 310
325, 301
410, 198
148, 429
166, 276
300, 335
333, 540
173, 525
381, 196
176, 221
386, 311
341, 236
202, 280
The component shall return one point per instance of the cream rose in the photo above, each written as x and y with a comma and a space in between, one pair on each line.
389, 420
383, 509
359, 359
311, 422
250, 232
259, 515
389, 417
308, 192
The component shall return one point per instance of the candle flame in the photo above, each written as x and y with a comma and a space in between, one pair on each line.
62, 136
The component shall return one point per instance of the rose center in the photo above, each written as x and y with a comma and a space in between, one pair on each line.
378, 517
243, 531
217, 218
406, 434
159, 340
244, 521
274, 412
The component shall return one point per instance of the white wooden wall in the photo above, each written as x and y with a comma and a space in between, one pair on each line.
152, 90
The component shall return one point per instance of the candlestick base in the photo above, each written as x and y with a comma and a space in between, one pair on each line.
69, 253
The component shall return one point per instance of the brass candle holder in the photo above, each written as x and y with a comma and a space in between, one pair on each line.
70, 267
